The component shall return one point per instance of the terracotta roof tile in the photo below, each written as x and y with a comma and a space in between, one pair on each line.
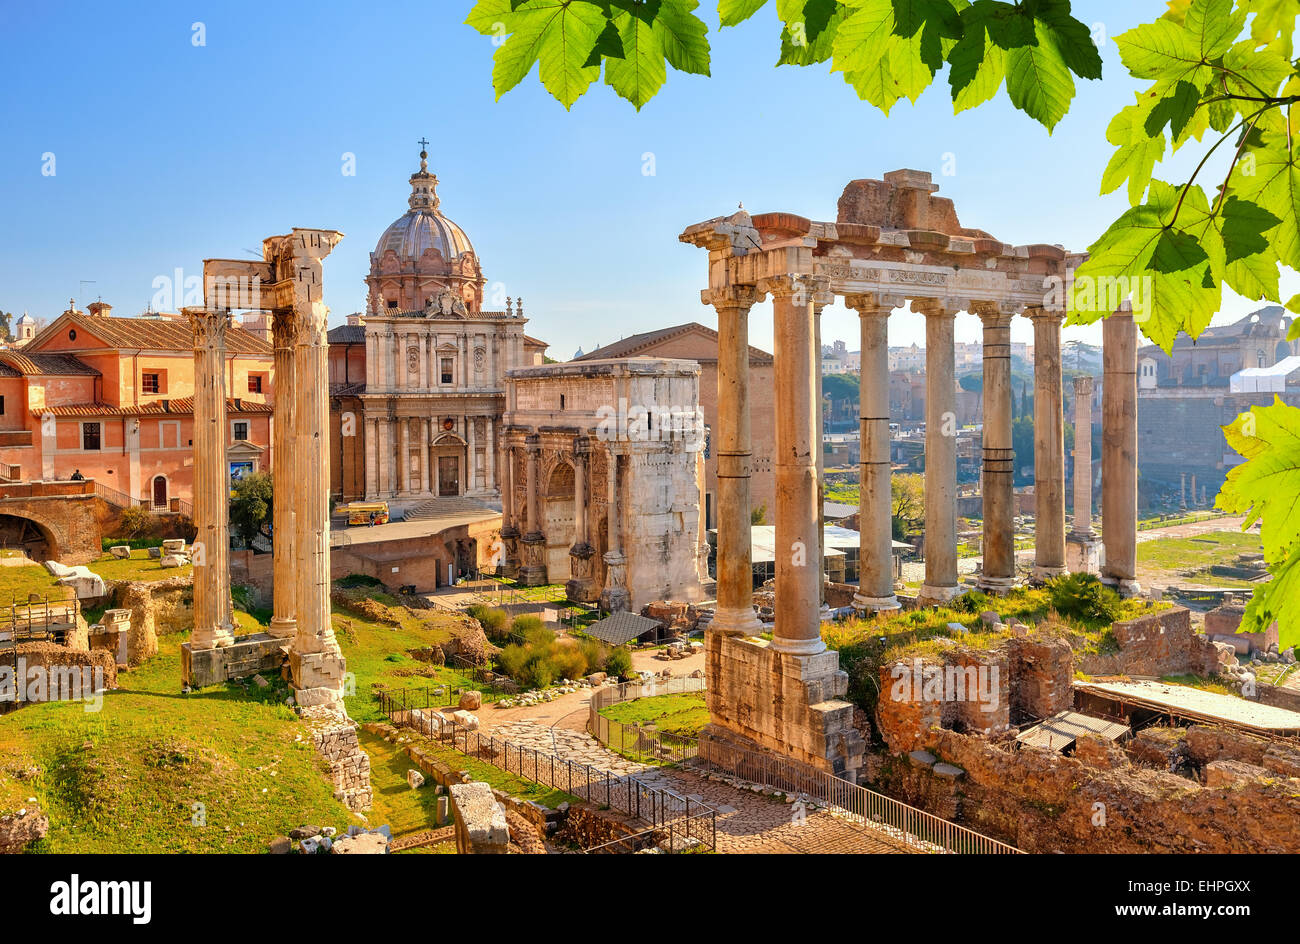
641, 343
181, 406
47, 364
163, 334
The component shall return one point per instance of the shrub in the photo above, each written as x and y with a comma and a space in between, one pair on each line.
972, 601
522, 624
136, 522
1084, 597
619, 662
569, 662
593, 654
492, 620
511, 660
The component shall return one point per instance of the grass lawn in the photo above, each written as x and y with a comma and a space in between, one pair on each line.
17, 582
1191, 558
127, 778
139, 566
683, 714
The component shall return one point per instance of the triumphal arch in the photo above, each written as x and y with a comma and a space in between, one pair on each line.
893, 242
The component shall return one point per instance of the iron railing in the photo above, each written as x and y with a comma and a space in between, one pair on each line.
634, 741
655, 806
917, 828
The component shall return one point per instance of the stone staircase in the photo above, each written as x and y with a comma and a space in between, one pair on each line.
439, 507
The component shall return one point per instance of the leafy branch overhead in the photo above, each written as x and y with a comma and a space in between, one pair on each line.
885, 50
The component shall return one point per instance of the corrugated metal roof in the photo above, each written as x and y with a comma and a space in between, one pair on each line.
1062, 729
622, 627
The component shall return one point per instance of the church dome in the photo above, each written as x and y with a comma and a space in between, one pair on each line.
423, 226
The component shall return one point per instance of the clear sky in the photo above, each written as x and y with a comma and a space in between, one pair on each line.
167, 153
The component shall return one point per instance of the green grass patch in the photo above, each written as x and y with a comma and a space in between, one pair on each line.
1191, 558
681, 714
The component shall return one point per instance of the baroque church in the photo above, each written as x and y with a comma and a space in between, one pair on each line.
418, 382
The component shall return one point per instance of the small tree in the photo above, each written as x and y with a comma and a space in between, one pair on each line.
250, 506
758, 515
136, 522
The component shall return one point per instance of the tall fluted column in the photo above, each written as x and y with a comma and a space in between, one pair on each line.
533, 572
875, 502
998, 573
317, 664
403, 455
580, 586
614, 596
1049, 446
734, 615
940, 453
422, 424
1083, 458
284, 333
212, 605
798, 570
1119, 443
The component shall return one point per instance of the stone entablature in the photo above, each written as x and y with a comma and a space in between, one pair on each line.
596, 491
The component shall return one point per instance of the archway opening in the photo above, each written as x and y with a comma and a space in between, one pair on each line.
24, 535
558, 515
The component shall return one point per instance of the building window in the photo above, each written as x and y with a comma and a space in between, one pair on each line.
561, 401
446, 370
240, 428
2, 405
149, 383
90, 440
254, 383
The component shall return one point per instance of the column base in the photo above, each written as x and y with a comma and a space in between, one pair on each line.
317, 678
798, 647
1123, 586
1042, 574
1082, 555
930, 595
283, 628
866, 604
532, 576
996, 585
581, 590
615, 600
736, 623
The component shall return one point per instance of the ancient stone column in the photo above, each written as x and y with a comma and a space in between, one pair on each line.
940, 453
533, 572
998, 573
316, 663
875, 502
284, 336
212, 605
509, 552
1119, 440
614, 595
1049, 446
1081, 543
734, 615
422, 424
798, 570
820, 301
580, 587
403, 455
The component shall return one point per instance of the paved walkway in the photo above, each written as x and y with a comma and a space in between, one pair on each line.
748, 821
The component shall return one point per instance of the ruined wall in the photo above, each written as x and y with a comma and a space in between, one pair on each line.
349, 766
1158, 644
1043, 802
1042, 675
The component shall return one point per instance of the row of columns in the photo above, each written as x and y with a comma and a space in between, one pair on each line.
300, 473
386, 351
529, 526
797, 300
388, 471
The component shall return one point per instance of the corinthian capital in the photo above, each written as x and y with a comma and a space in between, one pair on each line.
732, 296
873, 303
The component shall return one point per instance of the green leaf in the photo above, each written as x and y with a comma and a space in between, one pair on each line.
1268, 176
808, 33
641, 72
1273, 23
1267, 484
1244, 226
683, 37
1175, 110
978, 68
488, 15
1137, 155
565, 49
875, 84
1073, 39
865, 39
1164, 52
1277, 600
735, 12
1213, 25
1038, 80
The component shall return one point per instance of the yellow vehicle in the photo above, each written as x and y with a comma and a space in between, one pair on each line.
367, 512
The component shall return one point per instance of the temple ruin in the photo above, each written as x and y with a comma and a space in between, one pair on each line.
894, 242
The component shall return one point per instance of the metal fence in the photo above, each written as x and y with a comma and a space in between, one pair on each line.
635, 741
655, 806
907, 824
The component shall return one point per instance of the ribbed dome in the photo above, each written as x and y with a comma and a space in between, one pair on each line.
422, 226
421, 229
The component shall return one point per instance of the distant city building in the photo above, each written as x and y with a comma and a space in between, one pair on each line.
1185, 398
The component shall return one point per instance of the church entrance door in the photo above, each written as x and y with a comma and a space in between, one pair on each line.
448, 476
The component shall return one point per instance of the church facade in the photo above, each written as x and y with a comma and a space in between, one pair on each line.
418, 381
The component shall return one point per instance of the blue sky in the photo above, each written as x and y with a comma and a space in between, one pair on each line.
167, 153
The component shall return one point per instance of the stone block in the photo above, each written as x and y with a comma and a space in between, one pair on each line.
466, 720
471, 701
248, 655
120, 551
414, 779
1232, 773
481, 827
371, 843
